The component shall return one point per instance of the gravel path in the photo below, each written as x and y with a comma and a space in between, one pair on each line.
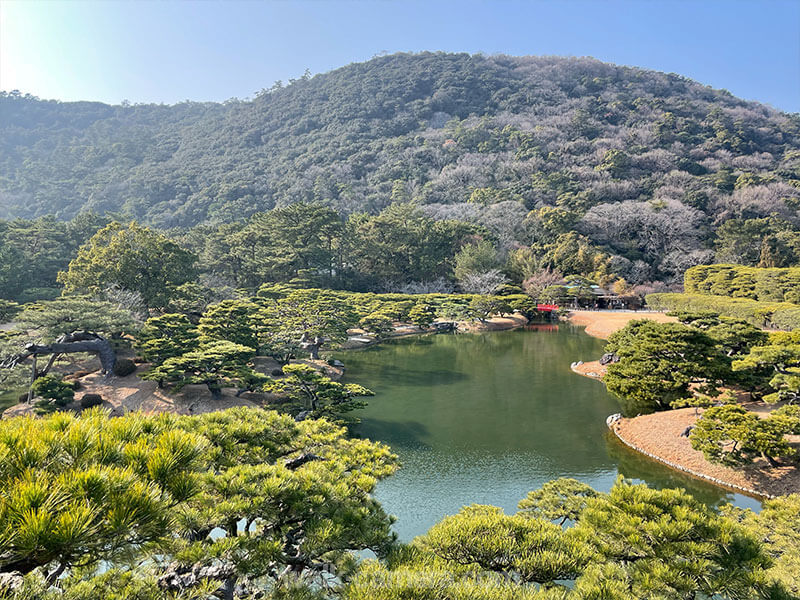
602, 323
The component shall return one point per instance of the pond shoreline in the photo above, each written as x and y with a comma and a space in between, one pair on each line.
615, 429
513, 321
658, 435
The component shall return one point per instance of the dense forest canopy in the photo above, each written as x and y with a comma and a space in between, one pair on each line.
645, 172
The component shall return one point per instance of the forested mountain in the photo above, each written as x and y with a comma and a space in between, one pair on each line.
654, 170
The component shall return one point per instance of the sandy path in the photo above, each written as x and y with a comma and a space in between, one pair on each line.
122, 395
659, 435
601, 323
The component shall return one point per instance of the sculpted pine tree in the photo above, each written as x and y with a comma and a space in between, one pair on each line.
376, 323
733, 435
658, 362
779, 359
421, 582
786, 386
734, 336
166, 336
67, 325
78, 491
703, 401
230, 505
666, 542
292, 500
55, 318
559, 500
304, 321
485, 306
777, 525
633, 542
215, 365
532, 550
234, 321
316, 394
422, 315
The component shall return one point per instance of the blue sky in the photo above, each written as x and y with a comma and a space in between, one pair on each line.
170, 50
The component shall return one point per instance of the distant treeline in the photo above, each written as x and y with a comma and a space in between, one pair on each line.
402, 249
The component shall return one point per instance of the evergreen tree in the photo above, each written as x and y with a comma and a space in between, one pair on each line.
234, 321
167, 336
558, 500
236, 504
216, 365
78, 491
733, 435
316, 394
132, 257
303, 321
658, 361
51, 319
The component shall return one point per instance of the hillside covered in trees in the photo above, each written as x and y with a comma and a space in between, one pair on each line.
632, 172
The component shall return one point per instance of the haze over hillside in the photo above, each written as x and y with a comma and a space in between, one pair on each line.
646, 164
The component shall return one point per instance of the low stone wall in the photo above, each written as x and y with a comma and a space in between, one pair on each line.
612, 422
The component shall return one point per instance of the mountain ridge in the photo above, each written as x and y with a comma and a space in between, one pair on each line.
557, 144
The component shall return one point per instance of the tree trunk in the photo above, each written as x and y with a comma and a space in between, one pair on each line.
313, 351
53, 576
53, 358
228, 588
311, 346
33, 378
215, 389
772, 462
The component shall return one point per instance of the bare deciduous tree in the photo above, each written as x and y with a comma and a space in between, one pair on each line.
482, 283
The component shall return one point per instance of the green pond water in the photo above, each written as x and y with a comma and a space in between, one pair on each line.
484, 418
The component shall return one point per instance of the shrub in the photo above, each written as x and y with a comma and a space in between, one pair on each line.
124, 367
376, 323
53, 387
422, 315
90, 400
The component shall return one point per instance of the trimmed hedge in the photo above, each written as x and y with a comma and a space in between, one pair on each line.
774, 315
399, 306
738, 281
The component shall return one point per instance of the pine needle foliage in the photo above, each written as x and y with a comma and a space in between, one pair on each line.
243, 499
